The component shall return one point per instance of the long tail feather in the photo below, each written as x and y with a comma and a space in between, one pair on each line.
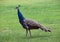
45, 29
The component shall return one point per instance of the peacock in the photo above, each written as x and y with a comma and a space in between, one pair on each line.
29, 24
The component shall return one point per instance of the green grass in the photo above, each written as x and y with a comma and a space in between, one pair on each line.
46, 12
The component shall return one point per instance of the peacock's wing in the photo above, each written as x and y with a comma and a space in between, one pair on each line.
32, 23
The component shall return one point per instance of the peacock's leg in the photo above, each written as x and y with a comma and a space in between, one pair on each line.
30, 33
26, 32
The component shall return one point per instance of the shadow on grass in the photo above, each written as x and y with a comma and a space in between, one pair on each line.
32, 37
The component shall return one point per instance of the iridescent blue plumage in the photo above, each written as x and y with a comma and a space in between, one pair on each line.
21, 19
20, 16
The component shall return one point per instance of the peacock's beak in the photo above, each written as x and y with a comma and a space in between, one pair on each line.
18, 6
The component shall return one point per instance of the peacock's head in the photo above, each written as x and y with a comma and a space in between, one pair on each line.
18, 6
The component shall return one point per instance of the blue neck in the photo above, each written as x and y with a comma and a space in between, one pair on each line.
20, 16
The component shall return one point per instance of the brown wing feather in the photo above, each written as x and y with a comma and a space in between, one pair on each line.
32, 23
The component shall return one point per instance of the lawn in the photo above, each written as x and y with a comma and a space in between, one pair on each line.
46, 12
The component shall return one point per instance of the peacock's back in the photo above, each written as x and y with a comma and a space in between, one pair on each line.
32, 23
